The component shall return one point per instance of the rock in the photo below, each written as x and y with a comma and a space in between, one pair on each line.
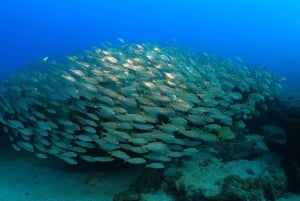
267, 187
162, 196
208, 178
241, 189
128, 196
273, 131
290, 152
275, 138
239, 150
148, 182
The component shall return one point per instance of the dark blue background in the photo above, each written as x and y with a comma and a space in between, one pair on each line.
265, 32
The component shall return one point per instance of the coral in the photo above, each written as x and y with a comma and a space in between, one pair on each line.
240, 180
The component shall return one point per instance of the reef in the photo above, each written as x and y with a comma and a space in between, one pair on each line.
208, 178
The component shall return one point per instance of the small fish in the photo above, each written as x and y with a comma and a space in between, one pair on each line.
103, 158
45, 59
155, 166
68, 160
156, 147
84, 138
120, 155
121, 40
136, 161
15, 124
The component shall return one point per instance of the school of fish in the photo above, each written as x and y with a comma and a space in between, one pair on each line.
140, 103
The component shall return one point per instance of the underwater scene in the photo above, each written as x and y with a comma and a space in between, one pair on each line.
150, 100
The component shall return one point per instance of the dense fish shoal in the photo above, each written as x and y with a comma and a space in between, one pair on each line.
141, 103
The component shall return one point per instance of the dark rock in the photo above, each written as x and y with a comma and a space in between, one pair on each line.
292, 170
293, 140
128, 196
291, 162
275, 138
239, 150
274, 133
149, 182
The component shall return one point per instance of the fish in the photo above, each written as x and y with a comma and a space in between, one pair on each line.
121, 40
15, 124
136, 161
120, 154
155, 165
45, 59
145, 104
156, 147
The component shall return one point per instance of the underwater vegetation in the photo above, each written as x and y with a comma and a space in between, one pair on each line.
140, 103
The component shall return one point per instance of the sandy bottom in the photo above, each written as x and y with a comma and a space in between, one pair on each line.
24, 177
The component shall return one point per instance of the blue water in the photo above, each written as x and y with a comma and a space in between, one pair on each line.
261, 32
258, 31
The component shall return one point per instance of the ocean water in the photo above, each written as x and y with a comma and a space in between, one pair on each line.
261, 33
